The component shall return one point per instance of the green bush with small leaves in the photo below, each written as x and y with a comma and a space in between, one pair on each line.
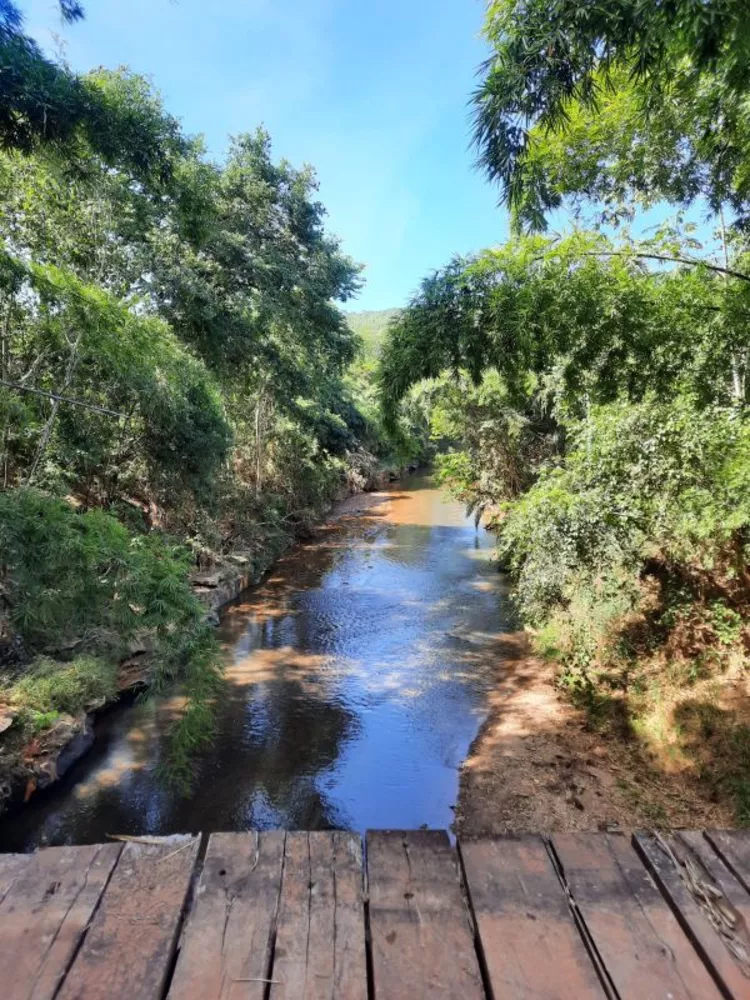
79, 588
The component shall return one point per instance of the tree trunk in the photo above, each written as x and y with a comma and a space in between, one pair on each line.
4, 371
738, 362
259, 442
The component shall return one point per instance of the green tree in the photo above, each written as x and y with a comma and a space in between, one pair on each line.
147, 417
43, 104
583, 314
661, 87
235, 258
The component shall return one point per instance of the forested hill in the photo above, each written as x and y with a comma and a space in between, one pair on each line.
371, 326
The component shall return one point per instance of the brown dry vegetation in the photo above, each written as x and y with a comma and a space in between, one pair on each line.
662, 740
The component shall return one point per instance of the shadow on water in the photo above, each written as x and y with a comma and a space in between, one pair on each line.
358, 676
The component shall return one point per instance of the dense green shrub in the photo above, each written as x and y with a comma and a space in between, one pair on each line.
78, 586
654, 482
80, 580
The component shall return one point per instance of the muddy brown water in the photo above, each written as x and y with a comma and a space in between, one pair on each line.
357, 678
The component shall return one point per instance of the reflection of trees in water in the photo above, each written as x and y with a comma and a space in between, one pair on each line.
301, 571
265, 769
294, 735
274, 745
419, 545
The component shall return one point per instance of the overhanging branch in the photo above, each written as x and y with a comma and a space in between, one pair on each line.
666, 258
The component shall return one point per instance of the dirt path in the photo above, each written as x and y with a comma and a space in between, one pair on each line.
537, 765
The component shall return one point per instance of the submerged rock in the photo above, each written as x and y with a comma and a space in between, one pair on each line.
77, 740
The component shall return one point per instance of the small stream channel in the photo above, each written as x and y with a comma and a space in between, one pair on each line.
357, 672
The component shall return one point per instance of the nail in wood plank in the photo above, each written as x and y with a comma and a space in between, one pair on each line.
320, 943
638, 938
130, 944
49, 899
528, 938
227, 945
422, 941
724, 967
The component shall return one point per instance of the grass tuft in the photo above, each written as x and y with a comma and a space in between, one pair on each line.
50, 687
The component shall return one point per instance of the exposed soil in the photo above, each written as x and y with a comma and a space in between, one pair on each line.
538, 765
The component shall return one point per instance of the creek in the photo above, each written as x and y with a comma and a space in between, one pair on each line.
357, 678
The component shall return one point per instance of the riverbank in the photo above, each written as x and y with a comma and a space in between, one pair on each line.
539, 764
356, 679
34, 761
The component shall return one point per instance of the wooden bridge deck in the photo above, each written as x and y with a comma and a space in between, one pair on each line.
299, 916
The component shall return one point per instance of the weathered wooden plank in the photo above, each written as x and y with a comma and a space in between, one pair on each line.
11, 866
722, 876
733, 847
47, 904
422, 941
723, 966
641, 944
528, 939
734, 891
130, 944
227, 946
320, 943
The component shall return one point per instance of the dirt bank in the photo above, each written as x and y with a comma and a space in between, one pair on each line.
538, 765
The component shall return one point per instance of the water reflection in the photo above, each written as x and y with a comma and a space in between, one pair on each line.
357, 678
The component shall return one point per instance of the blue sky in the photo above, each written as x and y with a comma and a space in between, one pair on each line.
373, 94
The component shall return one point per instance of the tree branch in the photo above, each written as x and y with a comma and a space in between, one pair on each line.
668, 259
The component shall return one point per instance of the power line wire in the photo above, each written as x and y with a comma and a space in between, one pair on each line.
62, 399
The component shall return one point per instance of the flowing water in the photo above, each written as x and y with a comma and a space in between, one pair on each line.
357, 679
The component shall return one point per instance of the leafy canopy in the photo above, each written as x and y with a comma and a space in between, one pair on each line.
43, 104
582, 315
662, 87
